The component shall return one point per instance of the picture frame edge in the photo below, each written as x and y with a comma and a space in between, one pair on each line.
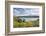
6, 32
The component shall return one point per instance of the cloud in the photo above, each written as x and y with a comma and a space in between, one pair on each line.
26, 12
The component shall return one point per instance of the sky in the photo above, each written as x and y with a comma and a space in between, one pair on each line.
25, 11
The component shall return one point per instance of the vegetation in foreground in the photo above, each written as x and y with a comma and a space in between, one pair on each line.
22, 23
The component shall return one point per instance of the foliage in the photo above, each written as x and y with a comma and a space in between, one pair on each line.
24, 23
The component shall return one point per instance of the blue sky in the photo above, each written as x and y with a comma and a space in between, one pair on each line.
26, 11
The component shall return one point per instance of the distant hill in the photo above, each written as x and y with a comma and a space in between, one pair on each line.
27, 16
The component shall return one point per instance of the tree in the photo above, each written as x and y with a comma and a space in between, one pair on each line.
23, 20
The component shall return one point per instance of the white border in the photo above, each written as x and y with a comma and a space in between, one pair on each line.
25, 29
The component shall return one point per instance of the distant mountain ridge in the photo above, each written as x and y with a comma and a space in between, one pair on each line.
27, 16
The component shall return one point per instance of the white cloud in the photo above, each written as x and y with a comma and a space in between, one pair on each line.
26, 12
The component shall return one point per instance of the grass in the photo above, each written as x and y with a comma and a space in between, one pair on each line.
25, 24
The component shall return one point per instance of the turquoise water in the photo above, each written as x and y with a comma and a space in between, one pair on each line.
29, 18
